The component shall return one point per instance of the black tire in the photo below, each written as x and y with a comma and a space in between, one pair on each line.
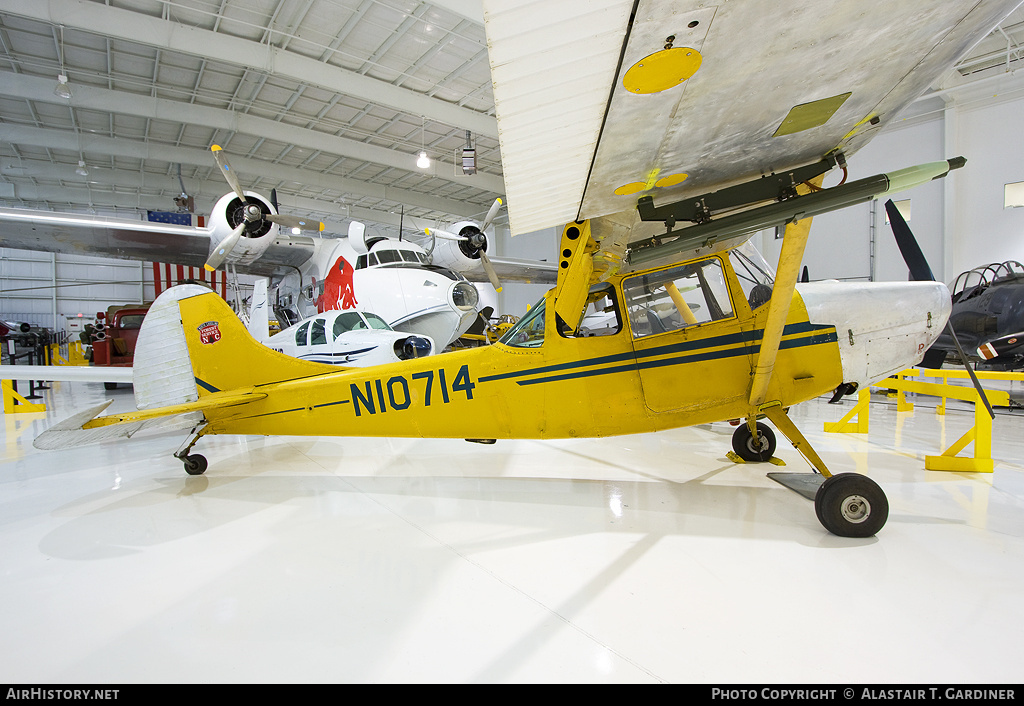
851, 505
195, 465
743, 443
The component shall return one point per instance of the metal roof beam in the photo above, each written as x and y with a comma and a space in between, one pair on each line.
133, 149
34, 88
107, 21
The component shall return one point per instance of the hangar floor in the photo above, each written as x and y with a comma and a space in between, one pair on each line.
647, 558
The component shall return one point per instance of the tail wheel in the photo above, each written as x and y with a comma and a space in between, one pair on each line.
851, 505
744, 445
195, 465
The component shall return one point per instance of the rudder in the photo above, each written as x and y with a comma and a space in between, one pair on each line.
196, 345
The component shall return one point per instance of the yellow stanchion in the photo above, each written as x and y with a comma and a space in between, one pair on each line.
15, 403
860, 411
76, 355
980, 433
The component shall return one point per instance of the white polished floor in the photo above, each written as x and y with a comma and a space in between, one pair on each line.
636, 559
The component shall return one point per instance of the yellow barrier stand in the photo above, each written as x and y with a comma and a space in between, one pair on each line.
860, 410
55, 357
15, 403
76, 356
980, 433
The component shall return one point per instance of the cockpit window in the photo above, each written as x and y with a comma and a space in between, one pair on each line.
755, 276
529, 331
600, 315
349, 321
300, 335
376, 322
678, 297
385, 256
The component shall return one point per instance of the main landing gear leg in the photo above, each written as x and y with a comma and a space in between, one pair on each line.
847, 504
195, 465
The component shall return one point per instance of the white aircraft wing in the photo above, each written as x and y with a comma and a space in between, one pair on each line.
600, 102
510, 269
27, 229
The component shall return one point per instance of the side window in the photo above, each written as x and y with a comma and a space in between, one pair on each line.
317, 336
361, 262
300, 335
601, 315
678, 297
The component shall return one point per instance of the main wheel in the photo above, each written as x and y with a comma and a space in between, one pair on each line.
195, 465
743, 443
851, 505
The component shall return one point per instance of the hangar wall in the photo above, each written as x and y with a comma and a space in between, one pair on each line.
959, 221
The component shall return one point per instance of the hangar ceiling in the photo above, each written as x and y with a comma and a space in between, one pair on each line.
327, 101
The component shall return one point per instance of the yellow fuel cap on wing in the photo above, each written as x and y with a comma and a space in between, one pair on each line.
662, 70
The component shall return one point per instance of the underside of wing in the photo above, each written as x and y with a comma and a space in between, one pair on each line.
511, 269
601, 103
127, 239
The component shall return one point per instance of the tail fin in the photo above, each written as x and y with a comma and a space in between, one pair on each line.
259, 312
195, 345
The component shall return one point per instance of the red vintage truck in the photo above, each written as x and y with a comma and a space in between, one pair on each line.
115, 336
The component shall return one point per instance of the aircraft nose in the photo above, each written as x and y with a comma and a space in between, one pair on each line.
882, 327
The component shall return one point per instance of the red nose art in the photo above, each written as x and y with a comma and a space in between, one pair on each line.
338, 290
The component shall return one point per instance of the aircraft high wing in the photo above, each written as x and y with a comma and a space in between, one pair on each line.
608, 101
662, 138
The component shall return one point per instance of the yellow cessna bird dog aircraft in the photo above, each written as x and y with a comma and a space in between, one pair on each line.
696, 332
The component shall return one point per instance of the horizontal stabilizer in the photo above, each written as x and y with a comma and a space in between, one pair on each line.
70, 432
88, 427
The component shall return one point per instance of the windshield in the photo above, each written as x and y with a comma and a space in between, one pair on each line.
529, 332
376, 322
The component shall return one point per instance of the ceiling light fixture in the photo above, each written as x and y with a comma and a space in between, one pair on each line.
423, 162
82, 171
62, 89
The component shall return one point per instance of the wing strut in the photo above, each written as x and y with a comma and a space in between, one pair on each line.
793, 243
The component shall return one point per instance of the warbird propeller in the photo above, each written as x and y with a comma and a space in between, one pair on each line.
689, 111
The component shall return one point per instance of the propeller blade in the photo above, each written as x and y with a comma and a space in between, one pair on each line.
489, 269
491, 214
224, 249
443, 234
295, 222
805, 276
920, 271
912, 255
1001, 346
225, 169
273, 200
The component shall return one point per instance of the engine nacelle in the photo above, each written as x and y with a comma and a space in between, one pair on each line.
413, 347
228, 213
460, 255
